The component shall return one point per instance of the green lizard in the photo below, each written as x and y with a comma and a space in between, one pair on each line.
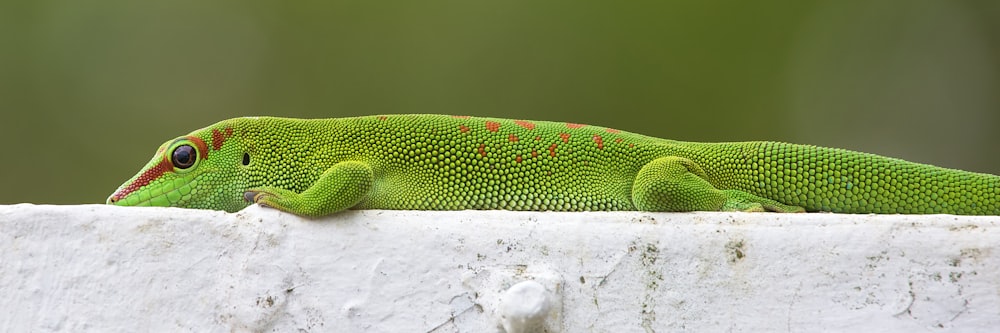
435, 162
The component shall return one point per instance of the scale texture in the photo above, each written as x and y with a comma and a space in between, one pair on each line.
315, 167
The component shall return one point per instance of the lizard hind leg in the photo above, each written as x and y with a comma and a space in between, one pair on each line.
677, 184
737, 200
674, 184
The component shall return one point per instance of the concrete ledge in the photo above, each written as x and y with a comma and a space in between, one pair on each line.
113, 269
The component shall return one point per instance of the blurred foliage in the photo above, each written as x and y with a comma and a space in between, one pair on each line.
89, 89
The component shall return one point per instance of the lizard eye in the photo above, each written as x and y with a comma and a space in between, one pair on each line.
183, 157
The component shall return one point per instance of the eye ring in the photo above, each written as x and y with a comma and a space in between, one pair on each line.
184, 156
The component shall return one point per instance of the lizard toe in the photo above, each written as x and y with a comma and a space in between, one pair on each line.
250, 196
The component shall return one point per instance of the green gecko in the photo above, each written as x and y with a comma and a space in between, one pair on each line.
436, 162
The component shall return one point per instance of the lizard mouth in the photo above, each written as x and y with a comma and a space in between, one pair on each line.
167, 198
118, 200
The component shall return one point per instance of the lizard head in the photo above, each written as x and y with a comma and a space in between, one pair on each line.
199, 170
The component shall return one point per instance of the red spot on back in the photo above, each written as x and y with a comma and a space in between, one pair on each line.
382, 117
631, 145
565, 137
145, 178
534, 153
219, 137
492, 126
538, 138
463, 128
618, 140
572, 125
552, 150
482, 150
526, 124
612, 130
518, 159
512, 138
460, 117
599, 141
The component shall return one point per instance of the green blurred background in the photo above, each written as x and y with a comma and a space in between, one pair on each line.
89, 89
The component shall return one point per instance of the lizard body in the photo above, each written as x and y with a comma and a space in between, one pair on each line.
434, 162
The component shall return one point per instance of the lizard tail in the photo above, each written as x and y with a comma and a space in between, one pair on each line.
840, 180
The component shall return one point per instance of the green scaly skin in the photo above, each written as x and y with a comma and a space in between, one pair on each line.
434, 162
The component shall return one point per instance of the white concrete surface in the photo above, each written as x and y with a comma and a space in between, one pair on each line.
111, 269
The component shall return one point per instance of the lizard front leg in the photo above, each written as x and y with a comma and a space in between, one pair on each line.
340, 187
677, 184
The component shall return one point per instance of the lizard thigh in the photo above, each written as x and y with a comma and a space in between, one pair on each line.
675, 184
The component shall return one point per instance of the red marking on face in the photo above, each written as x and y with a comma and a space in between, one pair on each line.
565, 137
518, 159
534, 153
618, 140
145, 178
460, 117
552, 150
612, 130
219, 137
463, 128
202, 147
572, 125
599, 141
482, 150
382, 117
513, 138
526, 124
492, 126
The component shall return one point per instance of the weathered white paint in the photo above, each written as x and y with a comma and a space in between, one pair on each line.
112, 269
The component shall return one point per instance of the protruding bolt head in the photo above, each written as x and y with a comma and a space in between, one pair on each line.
524, 306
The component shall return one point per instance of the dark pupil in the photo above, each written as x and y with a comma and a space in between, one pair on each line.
184, 157
246, 159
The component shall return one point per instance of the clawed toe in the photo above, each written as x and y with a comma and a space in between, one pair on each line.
249, 196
